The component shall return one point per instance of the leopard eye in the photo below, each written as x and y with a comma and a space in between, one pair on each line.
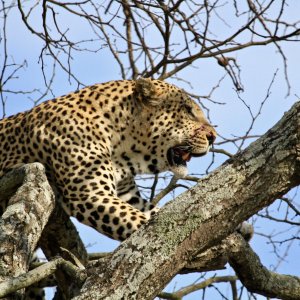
190, 111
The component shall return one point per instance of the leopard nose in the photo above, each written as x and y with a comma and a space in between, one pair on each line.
210, 137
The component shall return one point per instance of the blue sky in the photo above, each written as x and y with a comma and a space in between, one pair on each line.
258, 67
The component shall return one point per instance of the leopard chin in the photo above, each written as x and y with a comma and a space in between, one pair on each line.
179, 171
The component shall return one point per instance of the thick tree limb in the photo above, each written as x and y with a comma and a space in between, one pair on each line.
201, 217
59, 233
11, 182
22, 223
212, 259
256, 277
215, 258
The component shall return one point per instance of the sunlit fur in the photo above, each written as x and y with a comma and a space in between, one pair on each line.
94, 141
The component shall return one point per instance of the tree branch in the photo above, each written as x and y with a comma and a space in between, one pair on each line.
197, 286
39, 273
24, 219
201, 217
256, 277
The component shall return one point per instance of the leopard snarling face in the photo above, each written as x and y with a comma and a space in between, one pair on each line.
178, 129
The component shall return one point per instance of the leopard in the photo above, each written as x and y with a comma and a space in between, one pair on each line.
94, 141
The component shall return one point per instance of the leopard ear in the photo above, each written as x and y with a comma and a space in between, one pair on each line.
146, 92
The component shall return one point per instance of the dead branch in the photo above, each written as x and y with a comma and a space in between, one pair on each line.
134, 49
197, 286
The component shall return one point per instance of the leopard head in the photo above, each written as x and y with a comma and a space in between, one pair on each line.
176, 127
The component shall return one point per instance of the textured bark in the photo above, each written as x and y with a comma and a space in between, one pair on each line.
32, 206
201, 217
41, 272
60, 234
22, 223
212, 259
256, 277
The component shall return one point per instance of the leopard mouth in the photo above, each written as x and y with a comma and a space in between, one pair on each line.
180, 155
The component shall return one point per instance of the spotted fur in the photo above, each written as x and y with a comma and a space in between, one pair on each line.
94, 141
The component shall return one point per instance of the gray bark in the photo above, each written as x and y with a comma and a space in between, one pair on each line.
41, 272
256, 277
22, 223
201, 217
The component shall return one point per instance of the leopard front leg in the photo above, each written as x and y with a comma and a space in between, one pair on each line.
91, 197
128, 191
